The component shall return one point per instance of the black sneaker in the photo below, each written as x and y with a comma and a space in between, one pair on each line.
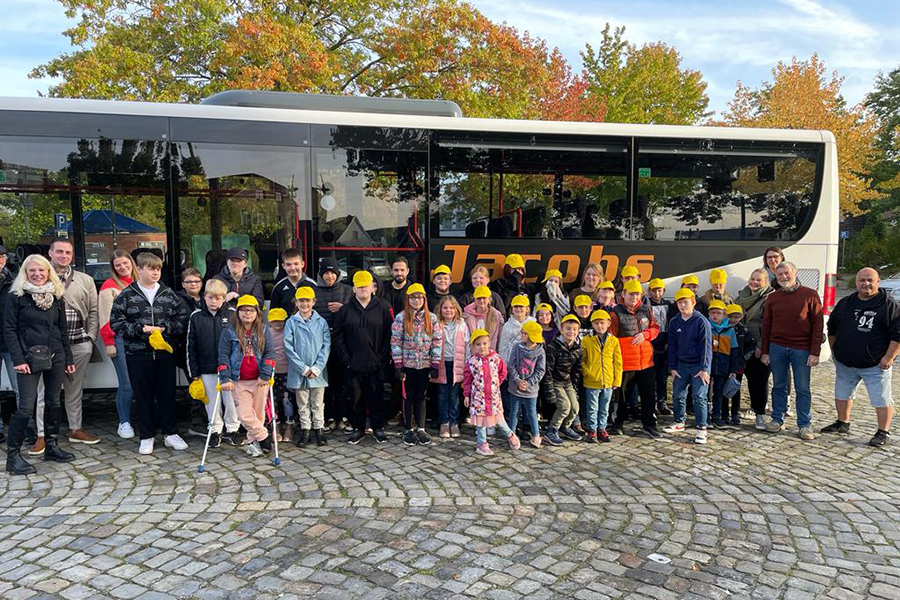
266, 444
570, 434
233, 438
615, 430
215, 440
422, 437
409, 438
356, 436
552, 437
837, 427
652, 431
880, 438
663, 409
379, 436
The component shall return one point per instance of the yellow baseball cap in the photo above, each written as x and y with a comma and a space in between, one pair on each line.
362, 279
717, 305
440, 270
599, 314
633, 286
520, 300
514, 261
416, 288
734, 309
197, 391
656, 283
534, 331
690, 280
568, 318
305, 292
482, 291
544, 306
583, 300
248, 300
552, 273
477, 334
277, 314
718, 276
684, 293
157, 342
630, 271
607, 285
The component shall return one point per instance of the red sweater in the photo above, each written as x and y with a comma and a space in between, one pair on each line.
793, 320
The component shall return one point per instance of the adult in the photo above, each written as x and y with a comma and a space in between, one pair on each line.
441, 286
512, 283
123, 273
6, 281
362, 341
591, 278
239, 279
332, 293
83, 326
752, 299
394, 291
772, 257
34, 329
191, 284
791, 341
480, 276
283, 293
864, 335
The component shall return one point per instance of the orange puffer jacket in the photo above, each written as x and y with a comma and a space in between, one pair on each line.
627, 323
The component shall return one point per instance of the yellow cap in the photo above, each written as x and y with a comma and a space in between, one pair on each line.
304, 292
277, 314
599, 314
607, 285
158, 343
656, 283
534, 331
734, 309
684, 293
482, 291
583, 300
197, 391
248, 300
514, 261
543, 306
633, 286
552, 273
477, 334
440, 270
520, 300
717, 305
416, 288
630, 271
718, 276
568, 318
690, 280
362, 279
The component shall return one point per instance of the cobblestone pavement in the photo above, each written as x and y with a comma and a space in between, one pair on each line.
752, 515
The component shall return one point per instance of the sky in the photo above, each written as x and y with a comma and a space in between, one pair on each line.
725, 40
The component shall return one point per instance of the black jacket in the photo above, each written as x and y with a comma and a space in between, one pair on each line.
284, 290
747, 343
339, 292
6, 279
203, 332
362, 336
25, 325
250, 283
189, 302
131, 311
508, 288
864, 329
563, 363
434, 298
662, 312
394, 297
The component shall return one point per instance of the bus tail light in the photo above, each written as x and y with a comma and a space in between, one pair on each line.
830, 296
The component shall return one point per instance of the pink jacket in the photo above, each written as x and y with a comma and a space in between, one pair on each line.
481, 385
460, 345
472, 320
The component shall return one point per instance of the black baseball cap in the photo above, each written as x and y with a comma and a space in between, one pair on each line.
236, 254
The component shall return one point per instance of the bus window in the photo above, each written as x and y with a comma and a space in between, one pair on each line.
240, 195
700, 190
528, 188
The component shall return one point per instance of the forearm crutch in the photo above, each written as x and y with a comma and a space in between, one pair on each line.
276, 461
209, 428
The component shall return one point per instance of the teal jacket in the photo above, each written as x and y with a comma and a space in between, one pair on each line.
307, 344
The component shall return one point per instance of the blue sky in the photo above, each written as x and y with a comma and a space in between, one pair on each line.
726, 40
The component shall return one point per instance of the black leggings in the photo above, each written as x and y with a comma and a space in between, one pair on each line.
645, 382
414, 400
757, 384
28, 384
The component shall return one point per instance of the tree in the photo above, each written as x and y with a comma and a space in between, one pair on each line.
644, 84
801, 97
884, 102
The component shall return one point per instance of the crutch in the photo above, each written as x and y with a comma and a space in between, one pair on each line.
276, 461
209, 428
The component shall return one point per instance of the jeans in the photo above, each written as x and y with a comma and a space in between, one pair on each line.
687, 376
124, 395
481, 432
784, 361
529, 412
448, 398
28, 395
597, 407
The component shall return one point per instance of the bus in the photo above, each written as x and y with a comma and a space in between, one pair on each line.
363, 180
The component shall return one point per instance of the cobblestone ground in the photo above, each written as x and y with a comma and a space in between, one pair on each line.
752, 515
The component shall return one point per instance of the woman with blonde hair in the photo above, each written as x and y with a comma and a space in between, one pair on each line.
591, 278
123, 272
35, 332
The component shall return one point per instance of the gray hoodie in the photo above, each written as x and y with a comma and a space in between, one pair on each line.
526, 365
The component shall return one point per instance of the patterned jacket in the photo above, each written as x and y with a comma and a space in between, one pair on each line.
131, 311
481, 384
419, 350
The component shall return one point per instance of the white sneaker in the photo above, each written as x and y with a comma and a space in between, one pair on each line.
254, 450
675, 427
146, 446
125, 431
175, 442
761, 422
700, 438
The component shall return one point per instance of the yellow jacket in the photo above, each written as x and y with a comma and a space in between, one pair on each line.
601, 367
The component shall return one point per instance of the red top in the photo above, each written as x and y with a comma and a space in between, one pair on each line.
249, 366
793, 320
106, 333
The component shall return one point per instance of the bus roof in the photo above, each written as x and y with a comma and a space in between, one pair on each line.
206, 111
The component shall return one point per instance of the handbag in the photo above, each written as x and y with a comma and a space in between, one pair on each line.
39, 358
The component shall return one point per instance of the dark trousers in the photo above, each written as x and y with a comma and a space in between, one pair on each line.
365, 396
645, 383
153, 383
28, 385
285, 400
718, 386
414, 402
732, 406
661, 372
336, 393
757, 384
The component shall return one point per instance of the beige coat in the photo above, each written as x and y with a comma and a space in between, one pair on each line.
81, 295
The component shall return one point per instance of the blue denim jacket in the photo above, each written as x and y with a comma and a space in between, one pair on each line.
231, 356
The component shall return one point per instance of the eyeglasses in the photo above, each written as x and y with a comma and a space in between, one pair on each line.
192, 281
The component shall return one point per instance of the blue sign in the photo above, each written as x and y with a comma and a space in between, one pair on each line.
845, 235
60, 220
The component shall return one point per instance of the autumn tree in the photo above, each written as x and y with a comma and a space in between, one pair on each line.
801, 96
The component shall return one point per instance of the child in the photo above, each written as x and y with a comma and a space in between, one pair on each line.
526, 367
726, 357
602, 371
629, 273
484, 374
660, 308
747, 344
562, 380
606, 296
416, 350
582, 310
716, 291
283, 405
455, 350
543, 314
510, 335
307, 343
481, 315
205, 327
246, 363
690, 360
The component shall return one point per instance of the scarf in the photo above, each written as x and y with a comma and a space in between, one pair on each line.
41, 294
559, 301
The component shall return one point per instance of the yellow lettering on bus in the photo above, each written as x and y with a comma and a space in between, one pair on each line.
612, 262
526, 258
573, 263
493, 262
458, 263
643, 263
